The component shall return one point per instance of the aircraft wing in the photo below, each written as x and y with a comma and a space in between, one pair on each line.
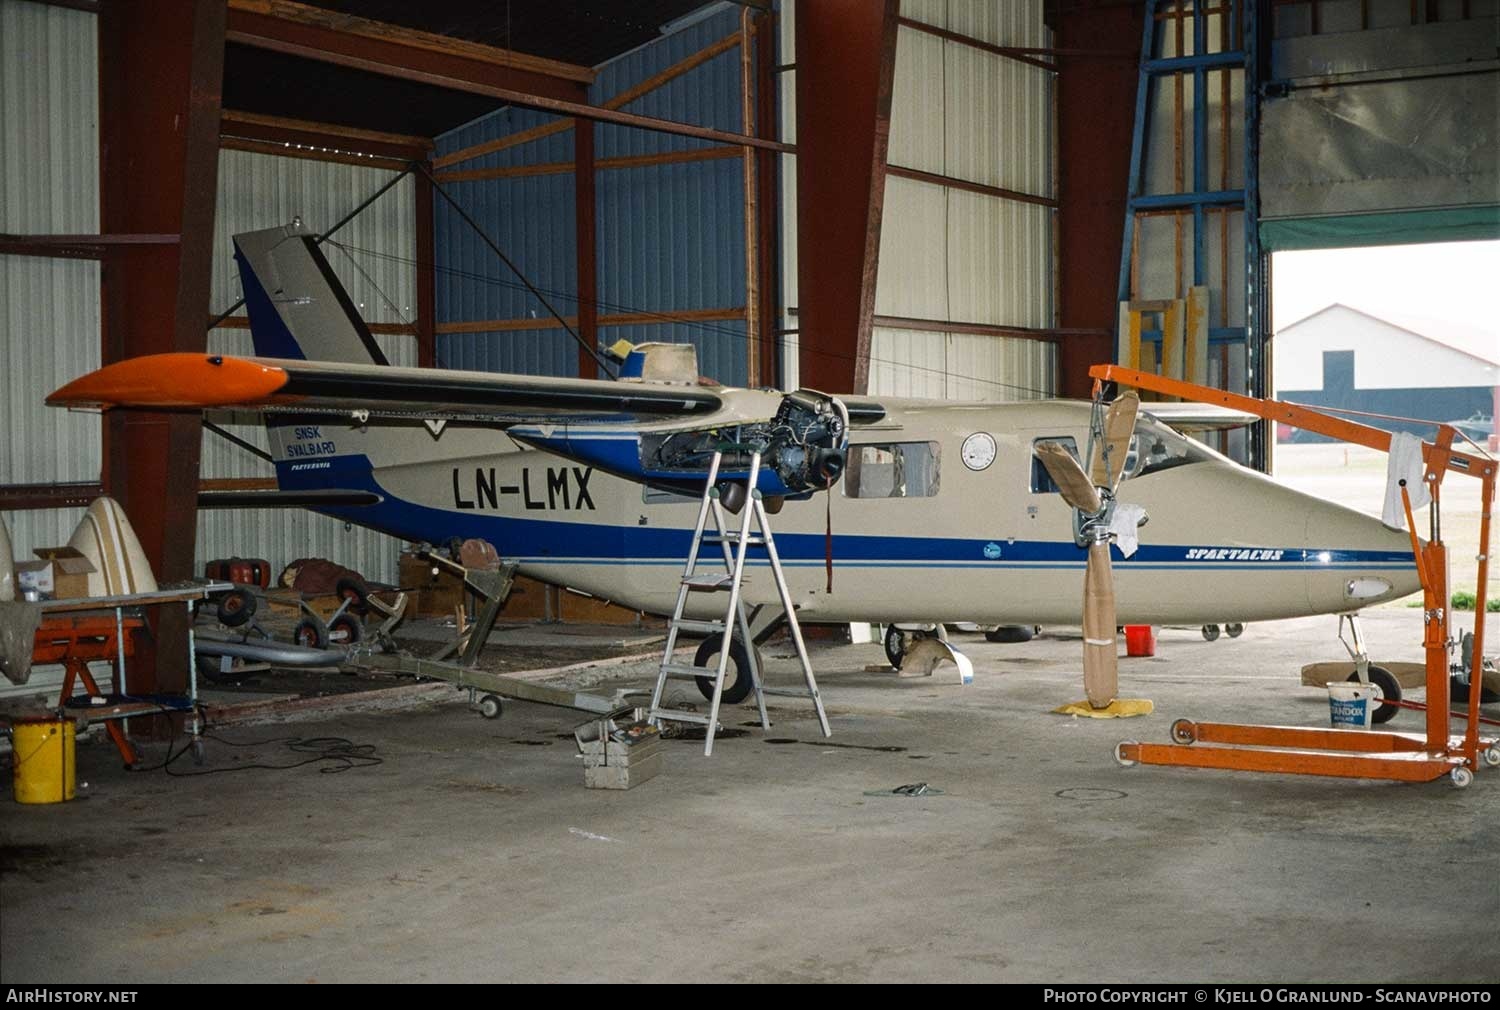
199, 381
1198, 417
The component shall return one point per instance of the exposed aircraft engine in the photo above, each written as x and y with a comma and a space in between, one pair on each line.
805, 444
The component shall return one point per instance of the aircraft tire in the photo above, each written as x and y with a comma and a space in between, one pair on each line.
1010, 634
895, 646
1390, 688
736, 688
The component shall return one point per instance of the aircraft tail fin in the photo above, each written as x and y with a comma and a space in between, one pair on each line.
297, 307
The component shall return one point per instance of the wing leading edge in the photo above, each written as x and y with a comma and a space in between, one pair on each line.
197, 381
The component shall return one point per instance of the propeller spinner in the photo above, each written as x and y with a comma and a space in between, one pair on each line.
1091, 494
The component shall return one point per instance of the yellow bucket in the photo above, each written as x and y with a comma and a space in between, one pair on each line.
42, 753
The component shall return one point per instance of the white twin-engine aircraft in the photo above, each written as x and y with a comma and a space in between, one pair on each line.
935, 511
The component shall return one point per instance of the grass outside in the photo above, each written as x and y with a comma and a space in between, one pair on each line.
1355, 476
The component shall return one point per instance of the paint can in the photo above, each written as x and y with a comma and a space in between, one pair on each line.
1140, 640
1352, 704
42, 752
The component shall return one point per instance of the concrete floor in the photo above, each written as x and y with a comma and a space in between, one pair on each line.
473, 852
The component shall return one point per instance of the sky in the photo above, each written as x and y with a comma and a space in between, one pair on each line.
1456, 281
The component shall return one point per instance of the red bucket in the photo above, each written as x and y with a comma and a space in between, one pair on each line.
1140, 640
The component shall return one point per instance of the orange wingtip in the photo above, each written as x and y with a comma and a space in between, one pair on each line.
190, 381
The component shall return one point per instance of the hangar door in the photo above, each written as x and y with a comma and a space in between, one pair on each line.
1381, 125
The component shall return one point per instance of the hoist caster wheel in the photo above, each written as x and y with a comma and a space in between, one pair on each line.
1184, 732
1461, 777
1120, 758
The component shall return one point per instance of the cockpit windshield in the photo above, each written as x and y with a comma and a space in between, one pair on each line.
1155, 447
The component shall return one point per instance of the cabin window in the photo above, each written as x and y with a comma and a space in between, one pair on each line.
1041, 480
892, 470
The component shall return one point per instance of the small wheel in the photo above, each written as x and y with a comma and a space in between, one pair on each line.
1010, 634
1492, 757
737, 682
1210, 632
310, 634
895, 646
1234, 630
236, 607
1184, 732
353, 590
1120, 758
197, 747
1390, 690
1461, 777
490, 706
345, 629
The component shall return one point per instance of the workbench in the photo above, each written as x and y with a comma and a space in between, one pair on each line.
76, 631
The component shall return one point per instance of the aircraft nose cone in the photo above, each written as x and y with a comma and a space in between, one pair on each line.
1354, 560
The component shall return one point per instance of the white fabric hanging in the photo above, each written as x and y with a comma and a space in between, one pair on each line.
1404, 463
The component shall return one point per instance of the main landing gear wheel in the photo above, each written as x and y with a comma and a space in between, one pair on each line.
490, 706
737, 682
895, 646
1010, 634
1210, 632
1184, 732
1390, 690
1234, 630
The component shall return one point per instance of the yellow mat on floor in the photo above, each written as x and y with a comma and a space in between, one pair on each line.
1120, 708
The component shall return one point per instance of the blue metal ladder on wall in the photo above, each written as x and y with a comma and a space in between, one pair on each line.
1194, 60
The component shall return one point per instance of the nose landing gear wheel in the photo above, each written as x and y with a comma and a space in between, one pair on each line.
737, 682
1390, 690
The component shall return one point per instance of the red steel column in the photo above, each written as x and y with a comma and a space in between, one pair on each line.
1095, 114
846, 54
161, 68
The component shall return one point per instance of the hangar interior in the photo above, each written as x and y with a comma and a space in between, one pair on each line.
952, 202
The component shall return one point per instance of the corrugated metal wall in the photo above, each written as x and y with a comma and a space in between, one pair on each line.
669, 237
49, 308
531, 218
374, 256
952, 254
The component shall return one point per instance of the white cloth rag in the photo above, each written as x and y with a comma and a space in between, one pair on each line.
1123, 525
1404, 463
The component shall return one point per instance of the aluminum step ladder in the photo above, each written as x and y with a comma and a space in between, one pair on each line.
734, 544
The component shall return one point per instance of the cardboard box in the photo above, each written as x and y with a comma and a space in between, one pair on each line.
435, 591
62, 573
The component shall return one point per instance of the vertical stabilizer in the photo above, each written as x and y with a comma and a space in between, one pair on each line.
297, 307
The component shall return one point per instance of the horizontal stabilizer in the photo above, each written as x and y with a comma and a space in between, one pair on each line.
1196, 417
313, 498
197, 381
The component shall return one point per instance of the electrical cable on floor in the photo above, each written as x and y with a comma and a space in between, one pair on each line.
339, 753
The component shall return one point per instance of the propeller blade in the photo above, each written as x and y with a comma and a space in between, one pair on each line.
1119, 425
1100, 661
1072, 483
